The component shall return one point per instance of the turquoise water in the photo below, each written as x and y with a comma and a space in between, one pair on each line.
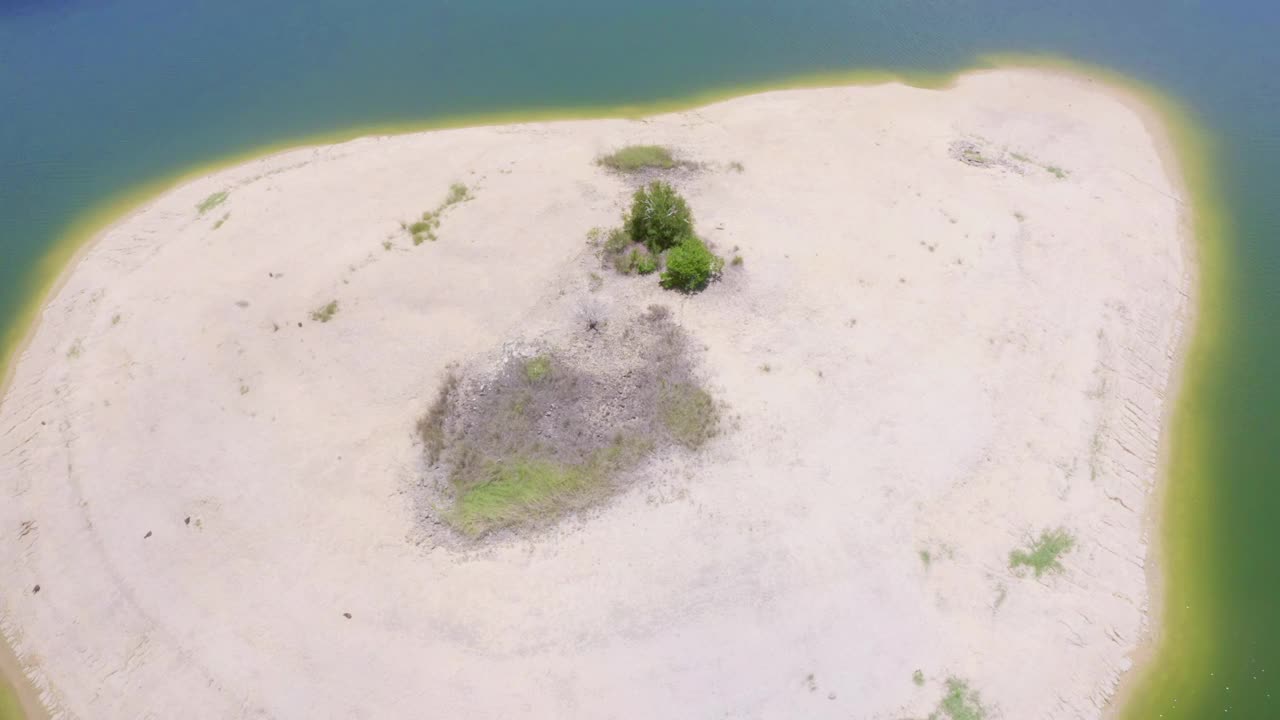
100, 97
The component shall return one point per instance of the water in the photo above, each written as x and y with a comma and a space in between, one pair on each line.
98, 98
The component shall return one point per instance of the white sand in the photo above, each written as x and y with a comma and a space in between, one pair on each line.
944, 376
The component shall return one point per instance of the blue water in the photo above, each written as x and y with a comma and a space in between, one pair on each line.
98, 97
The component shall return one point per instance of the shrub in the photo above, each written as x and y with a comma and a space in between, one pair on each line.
537, 368
635, 158
659, 217
690, 266
211, 202
457, 193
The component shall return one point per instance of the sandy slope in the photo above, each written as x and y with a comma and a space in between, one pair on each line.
959, 357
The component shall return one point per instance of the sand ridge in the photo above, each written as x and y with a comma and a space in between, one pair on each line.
968, 302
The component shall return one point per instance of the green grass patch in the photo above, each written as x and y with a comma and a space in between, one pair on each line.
211, 202
960, 703
518, 490
689, 414
325, 313
1056, 171
537, 369
634, 158
1044, 554
221, 221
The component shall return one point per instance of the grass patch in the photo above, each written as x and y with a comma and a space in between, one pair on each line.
634, 158
689, 414
457, 193
211, 202
737, 261
960, 703
221, 220
1056, 171
737, 167
926, 558
537, 369
1044, 554
917, 677
325, 313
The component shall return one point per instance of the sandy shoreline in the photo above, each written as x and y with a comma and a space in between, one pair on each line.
999, 111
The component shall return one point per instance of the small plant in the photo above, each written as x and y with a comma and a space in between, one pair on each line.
736, 167
690, 266
221, 220
425, 229
766, 368
642, 261
659, 217
634, 158
917, 677
1044, 554
326, 312
457, 193
211, 202
386, 244
737, 261
926, 558
1056, 171
76, 348
244, 389
1020, 157
537, 368
594, 282
960, 703
1019, 216
689, 414
115, 319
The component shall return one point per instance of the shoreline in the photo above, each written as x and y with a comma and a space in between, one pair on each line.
1157, 126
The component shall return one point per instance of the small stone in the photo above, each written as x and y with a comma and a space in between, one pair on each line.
187, 521
346, 615
35, 590
144, 537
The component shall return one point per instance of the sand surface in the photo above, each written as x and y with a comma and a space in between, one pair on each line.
918, 354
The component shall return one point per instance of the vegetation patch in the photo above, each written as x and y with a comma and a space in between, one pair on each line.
690, 266
211, 202
659, 217
425, 228
221, 220
546, 431
1044, 554
960, 703
636, 158
325, 312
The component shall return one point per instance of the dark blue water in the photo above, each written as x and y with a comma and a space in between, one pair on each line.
99, 97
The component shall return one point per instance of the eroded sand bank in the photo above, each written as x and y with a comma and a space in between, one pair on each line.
969, 304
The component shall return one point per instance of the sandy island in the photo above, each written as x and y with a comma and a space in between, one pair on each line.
953, 329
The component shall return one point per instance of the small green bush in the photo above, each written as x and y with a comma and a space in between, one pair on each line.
211, 202
690, 266
659, 217
537, 368
457, 193
635, 158
689, 414
642, 261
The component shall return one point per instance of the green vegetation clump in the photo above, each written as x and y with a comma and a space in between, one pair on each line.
325, 313
1044, 554
537, 368
544, 435
425, 229
642, 261
221, 220
634, 158
689, 414
659, 217
211, 202
917, 677
960, 703
690, 265
457, 193
1056, 171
